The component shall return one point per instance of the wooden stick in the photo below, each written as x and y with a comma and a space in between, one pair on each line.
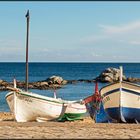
13, 89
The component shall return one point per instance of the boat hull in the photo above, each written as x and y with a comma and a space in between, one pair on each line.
121, 101
102, 117
129, 115
74, 111
30, 106
10, 101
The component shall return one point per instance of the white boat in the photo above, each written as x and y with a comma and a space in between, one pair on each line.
28, 106
121, 101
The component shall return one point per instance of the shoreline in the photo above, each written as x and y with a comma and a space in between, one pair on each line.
84, 129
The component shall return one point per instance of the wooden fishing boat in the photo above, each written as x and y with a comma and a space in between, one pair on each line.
121, 101
28, 106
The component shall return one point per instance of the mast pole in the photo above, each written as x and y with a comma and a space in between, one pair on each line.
27, 42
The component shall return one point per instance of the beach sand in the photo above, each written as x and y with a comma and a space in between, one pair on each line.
81, 129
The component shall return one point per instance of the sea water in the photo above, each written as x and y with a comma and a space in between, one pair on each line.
68, 71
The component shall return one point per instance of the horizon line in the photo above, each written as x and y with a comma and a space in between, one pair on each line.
66, 62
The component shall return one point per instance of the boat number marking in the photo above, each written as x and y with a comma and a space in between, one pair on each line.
25, 98
138, 98
106, 99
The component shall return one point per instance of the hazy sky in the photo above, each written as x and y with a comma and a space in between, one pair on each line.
71, 31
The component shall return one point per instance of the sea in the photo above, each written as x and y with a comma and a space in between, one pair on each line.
68, 71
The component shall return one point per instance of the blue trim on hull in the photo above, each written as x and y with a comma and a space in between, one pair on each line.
130, 114
110, 92
123, 89
101, 116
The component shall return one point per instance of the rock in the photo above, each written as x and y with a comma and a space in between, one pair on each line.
44, 84
64, 82
2, 88
86, 80
20, 84
54, 86
110, 75
30, 86
132, 79
81, 80
72, 81
35, 84
54, 80
1, 81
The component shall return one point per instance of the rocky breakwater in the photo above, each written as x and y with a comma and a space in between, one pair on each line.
52, 82
113, 75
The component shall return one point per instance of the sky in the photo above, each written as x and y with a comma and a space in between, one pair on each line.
68, 31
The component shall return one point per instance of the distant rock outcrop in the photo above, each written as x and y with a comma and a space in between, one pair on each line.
110, 75
51, 82
132, 79
54, 80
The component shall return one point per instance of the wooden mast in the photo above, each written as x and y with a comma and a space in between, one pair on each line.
121, 73
27, 41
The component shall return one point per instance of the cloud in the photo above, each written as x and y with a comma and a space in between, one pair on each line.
95, 54
10, 46
121, 34
129, 27
11, 50
93, 38
135, 42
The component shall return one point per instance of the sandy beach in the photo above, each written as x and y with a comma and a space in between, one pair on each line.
81, 129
